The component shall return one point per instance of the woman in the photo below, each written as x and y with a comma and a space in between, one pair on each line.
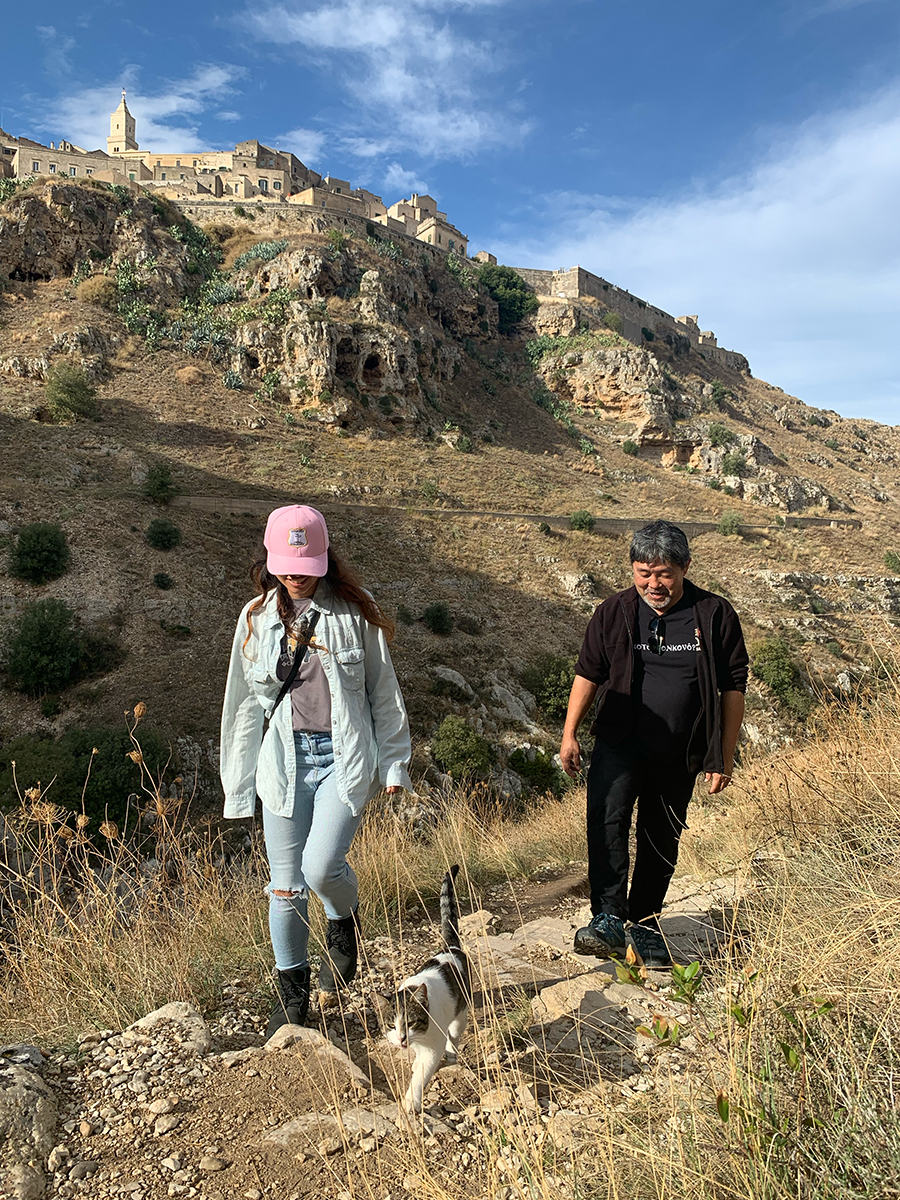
319, 757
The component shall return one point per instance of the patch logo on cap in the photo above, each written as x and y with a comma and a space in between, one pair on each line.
297, 537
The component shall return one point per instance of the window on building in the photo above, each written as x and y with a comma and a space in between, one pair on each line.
323, 203
439, 239
451, 243
90, 171
277, 185
131, 174
53, 168
158, 163
72, 171
177, 162
338, 190
35, 166
163, 175
195, 162
182, 176
263, 185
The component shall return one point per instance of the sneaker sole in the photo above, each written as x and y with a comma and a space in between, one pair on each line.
596, 952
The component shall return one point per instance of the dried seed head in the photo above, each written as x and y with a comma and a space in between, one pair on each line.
82, 820
47, 813
65, 833
110, 830
139, 709
135, 756
33, 794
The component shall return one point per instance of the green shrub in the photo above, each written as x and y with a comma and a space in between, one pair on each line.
646, 334
43, 649
540, 773
232, 379
733, 463
730, 523
459, 750
163, 581
892, 562
835, 649
464, 444
773, 665
583, 520
715, 484
404, 615
437, 617
162, 534
40, 553
613, 321
337, 241
832, 444
630, 447
544, 528
719, 435
720, 393
261, 252
159, 486
67, 759
70, 393
549, 679
514, 298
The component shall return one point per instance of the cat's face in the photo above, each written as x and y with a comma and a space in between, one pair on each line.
410, 1017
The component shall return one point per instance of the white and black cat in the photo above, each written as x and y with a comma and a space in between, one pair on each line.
432, 1006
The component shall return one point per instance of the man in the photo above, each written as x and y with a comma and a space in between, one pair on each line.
670, 666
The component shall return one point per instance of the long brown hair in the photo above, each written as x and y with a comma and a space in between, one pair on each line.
340, 577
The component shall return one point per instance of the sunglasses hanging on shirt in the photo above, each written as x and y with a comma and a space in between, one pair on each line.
657, 636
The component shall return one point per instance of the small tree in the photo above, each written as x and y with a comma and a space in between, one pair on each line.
719, 435
549, 680
515, 299
43, 649
40, 553
583, 520
733, 463
459, 750
730, 523
70, 393
159, 486
437, 617
163, 534
630, 447
772, 663
613, 321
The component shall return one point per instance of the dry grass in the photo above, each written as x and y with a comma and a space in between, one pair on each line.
787, 1085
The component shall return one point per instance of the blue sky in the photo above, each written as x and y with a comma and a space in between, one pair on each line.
739, 161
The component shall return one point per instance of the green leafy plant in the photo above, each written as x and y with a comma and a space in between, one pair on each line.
43, 649
686, 982
613, 321
729, 523
464, 444
163, 581
437, 618
70, 393
719, 435
719, 393
232, 379
832, 444
892, 562
514, 298
773, 665
539, 771
632, 971
734, 463
459, 750
337, 241
544, 528
630, 447
429, 491
661, 1030
40, 553
159, 486
261, 252
162, 534
550, 679
405, 615
582, 520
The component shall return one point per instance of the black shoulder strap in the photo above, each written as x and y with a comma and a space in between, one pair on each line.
304, 637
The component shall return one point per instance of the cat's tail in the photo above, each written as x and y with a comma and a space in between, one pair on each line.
450, 910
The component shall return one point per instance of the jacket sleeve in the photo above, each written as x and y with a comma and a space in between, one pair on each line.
593, 660
388, 711
732, 660
241, 733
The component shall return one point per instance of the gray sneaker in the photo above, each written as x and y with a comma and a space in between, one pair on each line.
651, 946
603, 937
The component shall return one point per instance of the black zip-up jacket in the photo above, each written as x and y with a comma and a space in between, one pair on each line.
607, 659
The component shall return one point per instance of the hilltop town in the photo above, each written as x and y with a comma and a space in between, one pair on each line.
205, 184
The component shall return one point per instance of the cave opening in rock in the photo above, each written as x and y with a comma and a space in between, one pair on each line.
373, 371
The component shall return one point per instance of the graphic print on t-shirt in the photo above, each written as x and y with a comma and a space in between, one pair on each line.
666, 688
310, 694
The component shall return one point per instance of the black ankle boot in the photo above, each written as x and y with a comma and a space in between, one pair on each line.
342, 950
292, 999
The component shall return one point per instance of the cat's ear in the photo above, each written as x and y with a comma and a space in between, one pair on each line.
420, 995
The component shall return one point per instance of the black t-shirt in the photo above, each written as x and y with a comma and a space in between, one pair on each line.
666, 689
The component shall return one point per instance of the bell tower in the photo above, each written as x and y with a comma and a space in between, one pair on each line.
121, 130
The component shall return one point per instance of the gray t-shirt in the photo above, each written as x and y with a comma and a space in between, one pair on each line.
310, 695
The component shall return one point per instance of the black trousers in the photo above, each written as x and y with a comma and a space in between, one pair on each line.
618, 776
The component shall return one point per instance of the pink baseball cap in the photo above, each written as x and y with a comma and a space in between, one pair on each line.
297, 541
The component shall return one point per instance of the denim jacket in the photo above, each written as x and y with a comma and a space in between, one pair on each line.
370, 729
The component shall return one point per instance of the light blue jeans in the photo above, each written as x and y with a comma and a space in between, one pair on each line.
307, 851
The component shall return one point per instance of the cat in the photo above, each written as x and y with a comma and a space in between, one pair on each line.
432, 1006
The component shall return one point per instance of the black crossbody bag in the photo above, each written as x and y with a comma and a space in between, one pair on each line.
304, 639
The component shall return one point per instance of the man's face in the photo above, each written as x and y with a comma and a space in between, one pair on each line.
661, 584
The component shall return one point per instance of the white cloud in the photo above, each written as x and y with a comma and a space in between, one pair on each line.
166, 120
397, 179
416, 82
307, 144
57, 48
796, 263
228, 116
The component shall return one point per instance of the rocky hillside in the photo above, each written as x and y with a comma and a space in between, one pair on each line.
254, 365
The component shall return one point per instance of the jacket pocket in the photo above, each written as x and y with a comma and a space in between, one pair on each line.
351, 661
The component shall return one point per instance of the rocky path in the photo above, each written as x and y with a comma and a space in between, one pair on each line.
180, 1104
